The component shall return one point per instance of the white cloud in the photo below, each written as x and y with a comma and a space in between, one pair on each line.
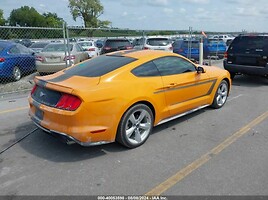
168, 10
157, 2
197, 1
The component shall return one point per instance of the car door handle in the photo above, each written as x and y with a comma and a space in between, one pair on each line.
172, 84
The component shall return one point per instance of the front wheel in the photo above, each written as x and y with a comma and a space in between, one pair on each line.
221, 95
135, 126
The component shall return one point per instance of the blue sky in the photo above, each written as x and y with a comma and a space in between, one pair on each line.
207, 15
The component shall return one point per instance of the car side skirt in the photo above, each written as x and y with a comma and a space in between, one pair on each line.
181, 114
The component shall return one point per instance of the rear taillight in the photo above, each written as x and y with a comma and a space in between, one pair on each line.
68, 102
2, 59
34, 88
91, 49
170, 48
129, 47
145, 48
225, 54
107, 48
71, 57
39, 58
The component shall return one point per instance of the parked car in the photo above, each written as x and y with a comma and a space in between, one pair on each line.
15, 60
111, 45
189, 49
38, 46
153, 43
53, 57
90, 47
225, 38
248, 54
216, 47
122, 95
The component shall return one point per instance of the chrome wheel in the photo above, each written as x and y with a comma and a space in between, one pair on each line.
135, 126
221, 95
16, 73
138, 126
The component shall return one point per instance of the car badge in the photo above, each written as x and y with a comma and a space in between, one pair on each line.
42, 94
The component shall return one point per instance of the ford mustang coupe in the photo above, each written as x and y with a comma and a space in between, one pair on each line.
122, 95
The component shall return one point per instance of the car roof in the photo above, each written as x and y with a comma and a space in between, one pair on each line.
6, 43
140, 54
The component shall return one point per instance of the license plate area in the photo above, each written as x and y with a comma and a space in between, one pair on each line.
39, 113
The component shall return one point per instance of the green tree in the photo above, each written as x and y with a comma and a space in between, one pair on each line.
52, 20
2, 20
26, 16
89, 11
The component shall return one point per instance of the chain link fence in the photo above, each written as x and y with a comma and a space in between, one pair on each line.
29, 51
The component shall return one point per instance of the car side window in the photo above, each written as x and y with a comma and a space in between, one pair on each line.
78, 47
173, 65
14, 50
145, 70
23, 49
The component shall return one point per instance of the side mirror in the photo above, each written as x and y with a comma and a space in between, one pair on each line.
200, 70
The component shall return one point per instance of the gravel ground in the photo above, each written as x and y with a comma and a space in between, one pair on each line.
24, 84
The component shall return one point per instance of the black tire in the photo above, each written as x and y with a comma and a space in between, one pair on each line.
232, 75
16, 73
221, 95
138, 122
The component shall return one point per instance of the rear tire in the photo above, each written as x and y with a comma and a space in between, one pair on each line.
16, 73
135, 126
232, 75
221, 95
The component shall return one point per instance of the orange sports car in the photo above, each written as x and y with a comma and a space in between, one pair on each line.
121, 96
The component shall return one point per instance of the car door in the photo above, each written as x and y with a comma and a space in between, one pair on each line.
184, 88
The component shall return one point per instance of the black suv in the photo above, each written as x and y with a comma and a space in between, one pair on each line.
117, 44
247, 54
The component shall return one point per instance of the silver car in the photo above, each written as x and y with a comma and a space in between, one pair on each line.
53, 57
154, 43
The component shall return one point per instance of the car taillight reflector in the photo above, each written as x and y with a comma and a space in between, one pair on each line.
34, 88
145, 48
107, 48
225, 54
170, 48
2, 59
39, 58
91, 49
68, 102
71, 57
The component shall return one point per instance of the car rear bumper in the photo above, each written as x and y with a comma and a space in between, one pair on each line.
246, 69
68, 126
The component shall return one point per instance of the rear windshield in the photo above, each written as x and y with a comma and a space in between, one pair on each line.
158, 41
38, 45
56, 48
85, 44
99, 66
243, 43
117, 43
